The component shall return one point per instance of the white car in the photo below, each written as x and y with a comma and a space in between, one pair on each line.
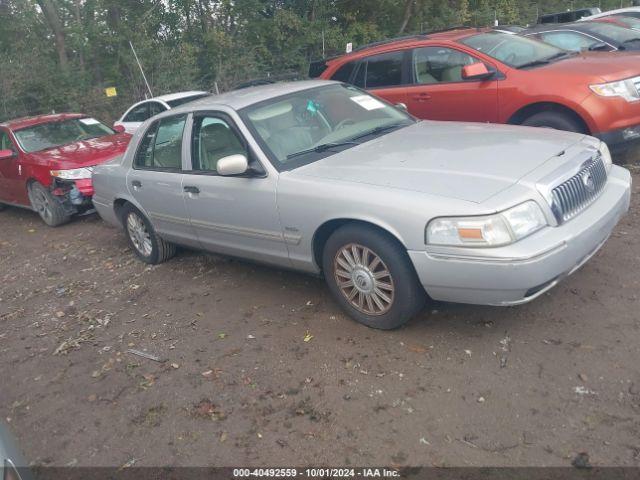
626, 12
146, 109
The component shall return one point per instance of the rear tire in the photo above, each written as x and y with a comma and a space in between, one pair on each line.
143, 239
555, 120
47, 205
371, 277
3, 207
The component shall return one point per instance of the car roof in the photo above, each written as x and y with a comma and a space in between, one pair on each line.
611, 12
175, 96
451, 35
25, 122
545, 27
238, 99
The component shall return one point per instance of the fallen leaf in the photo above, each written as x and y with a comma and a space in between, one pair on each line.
307, 337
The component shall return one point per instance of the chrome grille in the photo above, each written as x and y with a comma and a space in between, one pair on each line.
577, 193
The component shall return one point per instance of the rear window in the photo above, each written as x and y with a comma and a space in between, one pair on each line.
181, 101
343, 74
384, 70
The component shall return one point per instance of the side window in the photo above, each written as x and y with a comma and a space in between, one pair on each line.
384, 70
161, 146
155, 108
439, 64
568, 40
138, 114
358, 81
343, 74
213, 138
5, 141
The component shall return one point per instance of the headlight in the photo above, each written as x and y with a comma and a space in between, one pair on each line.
623, 88
487, 231
73, 173
606, 156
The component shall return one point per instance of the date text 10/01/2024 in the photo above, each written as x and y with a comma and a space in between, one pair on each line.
316, 472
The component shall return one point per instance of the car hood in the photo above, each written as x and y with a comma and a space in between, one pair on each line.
83, 153
595, 66
465, 161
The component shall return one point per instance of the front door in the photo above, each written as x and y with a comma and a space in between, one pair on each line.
11, 182
155, 180
440, 93
231, 215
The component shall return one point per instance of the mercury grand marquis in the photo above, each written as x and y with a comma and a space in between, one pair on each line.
324, 178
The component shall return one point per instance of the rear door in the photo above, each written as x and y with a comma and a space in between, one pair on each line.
155, 179
438, 91
384, 75
11, 183
232, 215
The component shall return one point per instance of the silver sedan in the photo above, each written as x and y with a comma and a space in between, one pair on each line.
324, 178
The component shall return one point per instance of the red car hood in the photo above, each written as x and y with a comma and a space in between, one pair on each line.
84, 153
596, 66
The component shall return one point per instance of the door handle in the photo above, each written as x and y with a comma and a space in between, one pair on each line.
421, 97
136, 184
191, 189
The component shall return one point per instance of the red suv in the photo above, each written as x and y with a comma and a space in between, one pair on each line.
46, 163
488, 76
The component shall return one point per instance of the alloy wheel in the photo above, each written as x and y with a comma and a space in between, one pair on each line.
364, 279
139, 234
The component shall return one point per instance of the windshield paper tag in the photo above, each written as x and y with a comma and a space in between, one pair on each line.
89, 121
367, 102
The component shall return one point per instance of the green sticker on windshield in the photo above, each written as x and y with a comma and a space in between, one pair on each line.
312, 107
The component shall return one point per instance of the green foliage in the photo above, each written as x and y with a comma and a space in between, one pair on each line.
198, 44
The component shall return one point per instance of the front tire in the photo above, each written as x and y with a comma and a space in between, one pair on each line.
555, 120
143, 239
3, 207
371, 277
47, 205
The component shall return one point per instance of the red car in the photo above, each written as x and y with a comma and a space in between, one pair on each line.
488, 76
46, 163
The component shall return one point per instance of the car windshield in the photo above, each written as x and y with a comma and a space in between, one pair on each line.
305, 126
54, 134
512, 50
615, 32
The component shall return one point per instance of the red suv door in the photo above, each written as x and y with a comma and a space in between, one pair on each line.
11, 184
384, 75
438, 91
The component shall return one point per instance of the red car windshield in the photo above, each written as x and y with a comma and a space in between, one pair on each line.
512, 50
54, 134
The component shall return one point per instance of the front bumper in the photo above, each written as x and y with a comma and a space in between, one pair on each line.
520, 272
622, 140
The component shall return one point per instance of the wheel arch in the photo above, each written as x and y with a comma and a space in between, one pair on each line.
324, 231
528, 110
121, 201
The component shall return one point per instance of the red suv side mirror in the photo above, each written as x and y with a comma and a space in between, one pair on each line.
6, 154
476, 71
119, 128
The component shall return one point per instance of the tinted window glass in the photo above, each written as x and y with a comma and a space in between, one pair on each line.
358, 81
568, 40
182, 101
155, 108
161, 147
213, 139
138, 114
343, 74
384, 70
439, 64
5, 141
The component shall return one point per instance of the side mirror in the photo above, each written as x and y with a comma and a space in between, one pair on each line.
402, 106
232, 165
119, 128
476, 71
599, 47
7, 154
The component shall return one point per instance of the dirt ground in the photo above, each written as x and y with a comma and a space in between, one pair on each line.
459, 386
